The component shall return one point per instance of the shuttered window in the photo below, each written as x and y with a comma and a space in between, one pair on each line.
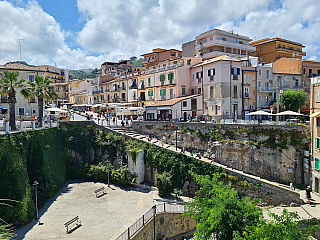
316, 163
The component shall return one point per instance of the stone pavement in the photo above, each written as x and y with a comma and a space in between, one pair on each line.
105, 217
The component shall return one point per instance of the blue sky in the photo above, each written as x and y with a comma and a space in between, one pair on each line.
155, 23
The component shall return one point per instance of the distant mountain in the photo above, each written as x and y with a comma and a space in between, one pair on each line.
85, 73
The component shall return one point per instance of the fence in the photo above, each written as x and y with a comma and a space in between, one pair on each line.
156, 209
24, 126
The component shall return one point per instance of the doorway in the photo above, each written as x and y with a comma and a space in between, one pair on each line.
185, 116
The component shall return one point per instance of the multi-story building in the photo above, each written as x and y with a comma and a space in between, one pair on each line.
269, 50
159, 55
219, 80
266, 87
76, 86
169, 79
141, 90
315, 132
249, 86
217, 42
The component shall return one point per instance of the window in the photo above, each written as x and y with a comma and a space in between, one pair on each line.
147, 59
162, 78
211, 91
21, 111
235, 91
253, 79
170, 77
175, 62
31, 78
240, 42
211, 38
192, 91
151, 57
150, 93
259, 72
223, 39
318, 121
183, 91
318, 72
199, 76
304, 71
192, 77
184, 103
316, 163
155, 57
266, 84
235, 71
171, 93
260, 59
211, 73
164, 65
318, 95
261, 48
267, 74
258, 99
246, 78
149, 82
189, 62
199, 90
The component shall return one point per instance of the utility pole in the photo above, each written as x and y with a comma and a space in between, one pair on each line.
19, 42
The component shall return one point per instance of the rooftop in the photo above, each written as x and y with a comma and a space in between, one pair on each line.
158, 50
222, 32
171, 102
216, 59
269, 40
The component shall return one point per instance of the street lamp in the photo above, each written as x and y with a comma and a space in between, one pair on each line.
35, 184
295, 166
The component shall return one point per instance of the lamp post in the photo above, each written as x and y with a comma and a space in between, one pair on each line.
35, 184
295, 166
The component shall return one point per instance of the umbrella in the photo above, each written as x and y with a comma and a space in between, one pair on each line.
259, 113
54, 110
291, 113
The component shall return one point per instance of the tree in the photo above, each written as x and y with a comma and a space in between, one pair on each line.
219, 211
306, 108
294, 99
42, 90
133, 58
285, 226
9, 87
282, 107
163, 183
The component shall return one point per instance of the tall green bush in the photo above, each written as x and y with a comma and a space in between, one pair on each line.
163, 183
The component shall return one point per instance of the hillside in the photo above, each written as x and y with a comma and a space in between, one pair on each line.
85, 73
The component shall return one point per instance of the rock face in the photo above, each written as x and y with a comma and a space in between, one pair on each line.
266, 151
189, 189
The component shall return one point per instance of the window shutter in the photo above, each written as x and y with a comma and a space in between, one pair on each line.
171, 91
214, 71
238, 71
209, 72
232, 71
316, 143
172, 76
160, 92
164, 92
316, 163
201, 74
151, 92
148, 93
169, 76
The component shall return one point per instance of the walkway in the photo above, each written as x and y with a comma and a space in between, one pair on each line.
105, 217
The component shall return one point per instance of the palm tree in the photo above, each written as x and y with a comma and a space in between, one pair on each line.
42, 90
9, 87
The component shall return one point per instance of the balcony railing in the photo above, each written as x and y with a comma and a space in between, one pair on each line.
193, 107
150, 98
235, 77
247, 83
4, 100
172, 96
246, 95
263, 89
142, 98
96, 92
163, 97
162, 69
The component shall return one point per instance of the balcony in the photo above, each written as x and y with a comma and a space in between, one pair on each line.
4, 100
246, 95
247, 83
149, 61
142, 98
225, 44
193, 107
261, 89
291, 50
150, 71
163, 98
150, 98
235, 77
95, 92
171, 96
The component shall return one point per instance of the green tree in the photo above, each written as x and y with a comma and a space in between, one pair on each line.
294, 99
133, 58
285, 226
9, 87
163, 183
219, 211
42, 89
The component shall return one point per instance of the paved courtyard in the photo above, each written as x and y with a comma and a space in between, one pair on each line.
101, 218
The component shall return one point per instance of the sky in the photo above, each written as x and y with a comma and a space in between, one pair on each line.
77, 34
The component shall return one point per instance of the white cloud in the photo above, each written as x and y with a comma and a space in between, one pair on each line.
157, 23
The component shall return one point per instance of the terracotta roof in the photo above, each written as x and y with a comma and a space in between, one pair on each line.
19, 66
171, 102
217, 59
106, 78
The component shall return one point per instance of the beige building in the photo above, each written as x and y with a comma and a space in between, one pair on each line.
315, 132
266, 86
159, 55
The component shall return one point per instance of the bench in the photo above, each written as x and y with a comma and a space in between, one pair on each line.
73, 220
99, 190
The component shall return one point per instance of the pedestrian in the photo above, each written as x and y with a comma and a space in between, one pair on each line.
150, 137
184, 150
114, 121
122, 123
131, 119
231, 164
199, 155
162, 142
126, 119
213, 156
291, 186
308, 194
191, 152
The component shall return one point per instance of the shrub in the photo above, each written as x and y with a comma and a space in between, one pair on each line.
163, 183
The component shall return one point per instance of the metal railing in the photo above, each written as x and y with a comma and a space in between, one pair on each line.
25, 126
156, 209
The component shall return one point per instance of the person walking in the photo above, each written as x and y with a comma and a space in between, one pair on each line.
231, 164
150, 137
122, 123
213, 156
184, 150
131, 119
191, 152
308, 194
199, 155
291, 186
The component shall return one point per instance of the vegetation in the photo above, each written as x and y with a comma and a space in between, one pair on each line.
85, 73
294, 99
136, 62
9, 87
163, 183
222, 214
42, 90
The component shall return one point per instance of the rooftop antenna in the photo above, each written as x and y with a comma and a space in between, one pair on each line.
19, 42
204, 29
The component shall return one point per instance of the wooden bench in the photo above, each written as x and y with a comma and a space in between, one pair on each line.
99, 190
73, 220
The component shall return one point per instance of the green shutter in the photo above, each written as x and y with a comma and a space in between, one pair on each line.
172, 76
171, 91
160, 92
164, 92
183, 91
151, 92
149, 80
316, 163
169, 76
316, 143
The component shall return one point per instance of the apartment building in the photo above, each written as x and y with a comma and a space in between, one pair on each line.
315, 132
77, 85
249, 86
219, 80
269, 50
266, 87
217, 42
169, 79
141, 90
159, 55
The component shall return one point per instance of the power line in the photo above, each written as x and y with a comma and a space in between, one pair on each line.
83, 25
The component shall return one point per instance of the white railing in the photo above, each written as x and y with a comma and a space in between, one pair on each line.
162, 69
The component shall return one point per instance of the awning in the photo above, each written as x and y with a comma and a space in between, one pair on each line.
316, 114
164, 108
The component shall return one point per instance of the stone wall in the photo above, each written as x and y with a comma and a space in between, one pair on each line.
251, 147
169, 225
